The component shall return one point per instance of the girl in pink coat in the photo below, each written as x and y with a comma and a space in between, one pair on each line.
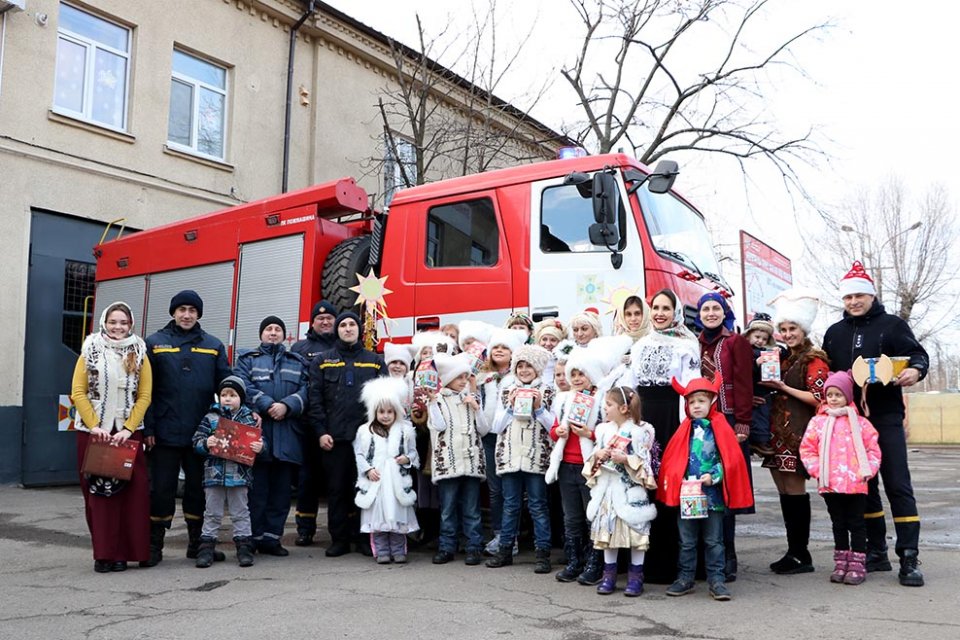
840, 451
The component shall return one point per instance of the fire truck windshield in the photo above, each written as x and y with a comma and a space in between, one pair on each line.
678, 232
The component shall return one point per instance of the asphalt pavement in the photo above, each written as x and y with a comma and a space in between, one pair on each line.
48, 589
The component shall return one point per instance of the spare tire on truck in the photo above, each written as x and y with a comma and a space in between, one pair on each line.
343, 263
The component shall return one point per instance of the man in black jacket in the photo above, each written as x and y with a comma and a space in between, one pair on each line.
321, 337
868, 330
188, 364
336, 412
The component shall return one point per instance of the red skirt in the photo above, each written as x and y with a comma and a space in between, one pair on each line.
120, 524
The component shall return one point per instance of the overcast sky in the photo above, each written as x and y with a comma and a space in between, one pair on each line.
878, 88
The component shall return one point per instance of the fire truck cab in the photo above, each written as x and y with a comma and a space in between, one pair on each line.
549, 238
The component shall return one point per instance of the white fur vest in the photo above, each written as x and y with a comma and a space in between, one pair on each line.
586, 444
376, 452
455, 435
627, 488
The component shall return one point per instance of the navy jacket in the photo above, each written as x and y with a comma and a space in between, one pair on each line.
336, 377
315, 343
870, 335
273, 374
187, 368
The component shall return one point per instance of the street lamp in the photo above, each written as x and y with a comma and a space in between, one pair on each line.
866, 254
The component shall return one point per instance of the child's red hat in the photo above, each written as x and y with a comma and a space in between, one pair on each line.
699, 384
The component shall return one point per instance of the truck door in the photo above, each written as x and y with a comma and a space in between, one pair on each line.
568, 273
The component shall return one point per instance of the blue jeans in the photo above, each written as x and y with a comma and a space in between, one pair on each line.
712, 529
536, 486
493, 481
460, 503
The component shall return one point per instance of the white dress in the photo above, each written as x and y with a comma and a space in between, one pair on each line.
387, 504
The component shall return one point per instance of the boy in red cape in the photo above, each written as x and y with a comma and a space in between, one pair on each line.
705, 447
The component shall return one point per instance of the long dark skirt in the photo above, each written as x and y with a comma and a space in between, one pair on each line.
119, 525
660, 406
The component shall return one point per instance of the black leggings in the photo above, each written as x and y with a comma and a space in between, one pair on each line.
846, 514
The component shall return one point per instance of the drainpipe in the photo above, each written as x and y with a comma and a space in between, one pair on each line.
311, 8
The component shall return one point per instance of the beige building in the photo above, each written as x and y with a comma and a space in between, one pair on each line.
155, 111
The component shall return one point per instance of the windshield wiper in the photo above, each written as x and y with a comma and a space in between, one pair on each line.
683, 258
716, 278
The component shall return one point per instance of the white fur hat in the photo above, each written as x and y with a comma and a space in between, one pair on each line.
449, 367
393, 352
588, 316
536, 357
563, 349
439, 342
512, 339
799, 305
384, 390
600, 357
475, 329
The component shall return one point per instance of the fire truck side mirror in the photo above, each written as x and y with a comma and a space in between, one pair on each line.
663, 176
606, 198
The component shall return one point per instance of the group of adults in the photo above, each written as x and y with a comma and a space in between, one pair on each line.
157, 391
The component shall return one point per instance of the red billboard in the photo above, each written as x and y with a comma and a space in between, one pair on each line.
766, 272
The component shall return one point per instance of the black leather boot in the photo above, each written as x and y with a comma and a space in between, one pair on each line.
157, 533
910, 575
194, 527
592, 568
571, 548
205, 551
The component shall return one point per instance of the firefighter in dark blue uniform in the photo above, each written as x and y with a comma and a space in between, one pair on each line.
320, 337
868, 330
188, 364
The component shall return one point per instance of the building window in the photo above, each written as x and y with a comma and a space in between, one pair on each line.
93, 67
565, 219
395, 168
198, 106
463, 234
78, 283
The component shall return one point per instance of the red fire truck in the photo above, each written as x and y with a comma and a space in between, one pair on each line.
549, 239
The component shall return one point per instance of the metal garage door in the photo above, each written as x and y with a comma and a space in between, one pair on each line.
214, 284
133, 291
269, 285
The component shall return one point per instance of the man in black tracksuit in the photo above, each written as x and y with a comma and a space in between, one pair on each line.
336, 412
188, 365
868, 330
321, 337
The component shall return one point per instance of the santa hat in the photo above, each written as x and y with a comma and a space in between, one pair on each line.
536, 357
439, 342
480, 331
798, 305
842, 381
551, 327
699, 384
588, 316
857, 280
510, 338
450, 367
761, 322
599, 358
384, 391
397, 353
563, 350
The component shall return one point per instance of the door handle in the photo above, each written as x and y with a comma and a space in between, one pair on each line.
428, 323
542, 313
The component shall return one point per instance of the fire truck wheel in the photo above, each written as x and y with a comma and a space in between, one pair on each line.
340, 270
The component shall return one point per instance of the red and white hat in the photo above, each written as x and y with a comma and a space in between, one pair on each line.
857, 280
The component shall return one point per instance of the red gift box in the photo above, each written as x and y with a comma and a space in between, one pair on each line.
110, 460
234, 441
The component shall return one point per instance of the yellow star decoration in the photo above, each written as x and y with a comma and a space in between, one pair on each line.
371, 292
618, 296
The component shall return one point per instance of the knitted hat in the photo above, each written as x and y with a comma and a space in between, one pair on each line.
352, 316
384, 391
266, 322
322, 307
550, 327
761, 322
843, 381
588, 316
477, 330
536, 357
397, 353
728, 318
509, 338
563, 350
439, 342
450, 367
857, 280
187, 297
235, 383
797, 305
599, 358
518, 317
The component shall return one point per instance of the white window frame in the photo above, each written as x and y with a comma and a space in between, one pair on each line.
193, 148
392, 176
91, 46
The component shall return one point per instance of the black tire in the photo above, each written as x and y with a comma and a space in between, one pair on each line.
343, 263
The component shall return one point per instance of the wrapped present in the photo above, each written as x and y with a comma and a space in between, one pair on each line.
580, 409
769, 365
234, 441
109, 460
421, 398
478, 354
523, 403
693, 501
426, 377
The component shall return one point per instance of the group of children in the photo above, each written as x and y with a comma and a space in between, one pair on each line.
547, 406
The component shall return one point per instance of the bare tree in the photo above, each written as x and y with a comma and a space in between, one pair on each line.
630, 80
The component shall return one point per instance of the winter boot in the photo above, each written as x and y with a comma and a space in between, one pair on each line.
592, 567
608, 580
634, 581
909, 575
157, 533
543, 561
856, 571
194, 527
798, 559
502, 558
571, 548
878, 560
245, 549
205, 551
840, 560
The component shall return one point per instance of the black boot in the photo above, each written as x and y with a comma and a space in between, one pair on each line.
909, 575
502, 558
571, 548
245, 549
592, 568
157, 533
798, 559
205, 551
783, 562
194, 527
543, 561
877, 558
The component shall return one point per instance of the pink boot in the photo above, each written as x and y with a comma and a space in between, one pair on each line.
840, 560
856, 570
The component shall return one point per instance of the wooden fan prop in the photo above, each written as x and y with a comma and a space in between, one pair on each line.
868, 371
